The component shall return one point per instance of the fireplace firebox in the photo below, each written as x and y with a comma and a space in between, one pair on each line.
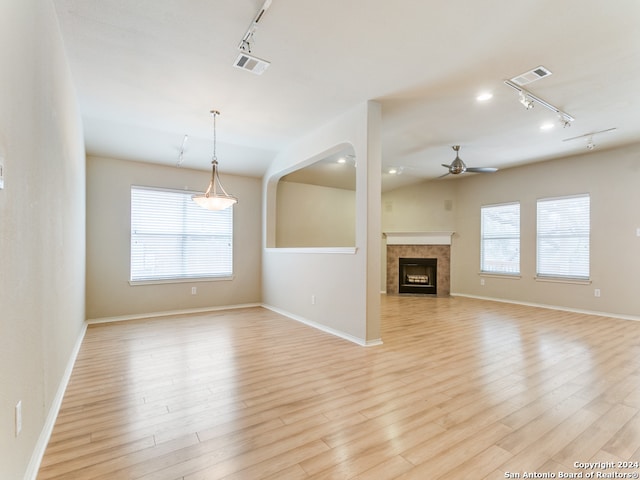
418, 276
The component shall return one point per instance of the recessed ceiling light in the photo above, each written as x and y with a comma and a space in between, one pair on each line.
546, 126
483, 97
342, 160
393, 171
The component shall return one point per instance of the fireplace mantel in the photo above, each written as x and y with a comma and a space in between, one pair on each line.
418, 238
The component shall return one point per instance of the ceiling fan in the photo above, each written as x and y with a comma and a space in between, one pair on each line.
458, 166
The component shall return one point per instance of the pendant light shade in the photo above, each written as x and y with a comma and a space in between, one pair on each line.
215, 197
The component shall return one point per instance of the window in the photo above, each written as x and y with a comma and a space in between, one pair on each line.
172, 238
563, 237
500, 239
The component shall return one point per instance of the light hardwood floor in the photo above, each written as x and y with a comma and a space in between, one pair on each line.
461, 389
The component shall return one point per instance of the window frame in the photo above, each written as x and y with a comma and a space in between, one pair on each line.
485, 237
185, 238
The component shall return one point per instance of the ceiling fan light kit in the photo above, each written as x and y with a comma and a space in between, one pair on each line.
458, 167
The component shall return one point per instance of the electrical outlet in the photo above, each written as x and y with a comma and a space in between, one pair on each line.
18, 417
482, 281
596, 292
194, 290
313, 299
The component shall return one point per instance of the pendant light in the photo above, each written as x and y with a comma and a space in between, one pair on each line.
215, 198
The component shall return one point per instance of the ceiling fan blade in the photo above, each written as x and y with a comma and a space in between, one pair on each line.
481, 169
442, 176
445, 166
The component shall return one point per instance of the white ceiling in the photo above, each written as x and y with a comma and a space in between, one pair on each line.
148, 72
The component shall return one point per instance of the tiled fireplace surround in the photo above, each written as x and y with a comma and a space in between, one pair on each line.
418, 246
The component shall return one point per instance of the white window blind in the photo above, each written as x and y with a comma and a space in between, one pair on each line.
173, 238
563, 237
500, 239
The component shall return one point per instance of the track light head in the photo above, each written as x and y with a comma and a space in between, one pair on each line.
565, 120
526, 101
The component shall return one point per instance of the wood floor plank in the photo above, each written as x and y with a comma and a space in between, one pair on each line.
479, 465
295, 472
367, 450
85, 464
623, 443
589, 442
154, 459
387, 470
542, 449
440, 464
538, 427
461, 388
279, 463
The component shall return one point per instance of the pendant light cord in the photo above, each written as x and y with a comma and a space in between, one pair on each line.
215, 113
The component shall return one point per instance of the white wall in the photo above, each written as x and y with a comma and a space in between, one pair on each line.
345, 285
109, 293
42, 226
612, 178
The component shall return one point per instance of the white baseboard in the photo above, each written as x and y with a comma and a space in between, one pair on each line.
551, 307
324, 328
47, 429
139, 316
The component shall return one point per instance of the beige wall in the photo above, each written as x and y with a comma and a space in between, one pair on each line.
315, 216
611, 177
42, 220
423, 207
109, 293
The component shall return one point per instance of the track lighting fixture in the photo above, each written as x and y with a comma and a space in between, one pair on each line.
589, 136
245, 60
245, 43
215, 198
181, 155
528, 99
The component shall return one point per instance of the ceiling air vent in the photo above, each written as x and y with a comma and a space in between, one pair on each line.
250, 63
531, 76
